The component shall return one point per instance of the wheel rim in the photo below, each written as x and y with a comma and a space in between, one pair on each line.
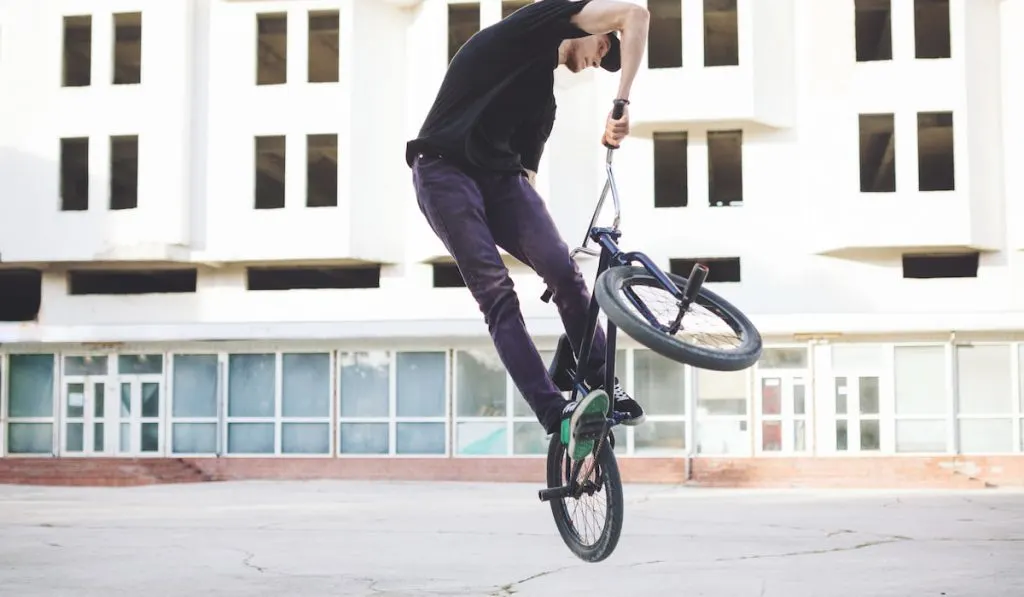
586, 517
704, 324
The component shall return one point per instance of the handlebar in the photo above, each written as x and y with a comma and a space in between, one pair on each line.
619, 107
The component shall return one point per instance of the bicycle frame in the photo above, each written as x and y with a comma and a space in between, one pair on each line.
610, 255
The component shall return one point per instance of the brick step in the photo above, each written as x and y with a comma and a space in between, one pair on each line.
99, 471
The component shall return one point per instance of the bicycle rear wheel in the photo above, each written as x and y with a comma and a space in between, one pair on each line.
731, 345
578, 519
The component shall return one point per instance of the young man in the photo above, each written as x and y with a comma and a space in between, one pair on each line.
473, 166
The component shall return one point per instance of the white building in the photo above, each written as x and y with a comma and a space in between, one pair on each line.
210, 246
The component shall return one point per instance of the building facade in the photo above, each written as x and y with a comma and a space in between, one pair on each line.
210, 247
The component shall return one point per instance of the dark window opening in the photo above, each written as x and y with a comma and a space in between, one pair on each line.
665, 34
935, 162
270, 161
321, 170
21, 294
873, 29
931, 29
720, 269
463, 23
961, 265
128, 48
77, 51
85, 282
447, 275
877, 153
510, 6
670, 174
725, 167
271, 49
721, 33
124, 172
74, 174
313, 277
323, 46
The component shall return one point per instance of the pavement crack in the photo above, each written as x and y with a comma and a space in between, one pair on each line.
648, 563
247, 561
510, 588
811, 552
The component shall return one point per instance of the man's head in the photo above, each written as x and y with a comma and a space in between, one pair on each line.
593, 50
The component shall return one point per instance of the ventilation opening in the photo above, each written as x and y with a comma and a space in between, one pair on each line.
873, 24
312, 278
131, 282
322, 170
961, 265
670, 173
877, 153
74, 174
270, 167
127, 48
463, 23
124, 172
322, 53
21, 294
931, 29
77, 51
720, 269
447, 275
721, 33
272, 49
665, 37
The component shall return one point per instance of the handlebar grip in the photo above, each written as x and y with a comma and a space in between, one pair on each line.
618, 109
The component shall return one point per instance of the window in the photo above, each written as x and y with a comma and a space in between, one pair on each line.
961, 265
194, 404
323, 46
922, 398
877, 153
662, 386
77, 51
271, 49
670, 174
447, 275
510, 6
270, 163
22, 294
30, 403
721, 33
935, 164
856, 397
321, 170
406, 416
986, 397
725, 168
127, 48
124, 172
873, 23
310, 278
74, 174
290, 417
482, 425
721, 418
665, 34
120, 282
463, 23
783, 400
931, 29
720, 269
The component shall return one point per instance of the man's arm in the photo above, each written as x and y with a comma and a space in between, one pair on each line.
631, 20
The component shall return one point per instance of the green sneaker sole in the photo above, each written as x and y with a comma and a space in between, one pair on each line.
593, 405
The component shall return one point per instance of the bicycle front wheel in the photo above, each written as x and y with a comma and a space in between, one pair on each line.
591, 524
714, 333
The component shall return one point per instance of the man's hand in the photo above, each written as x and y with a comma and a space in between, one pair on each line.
616, 130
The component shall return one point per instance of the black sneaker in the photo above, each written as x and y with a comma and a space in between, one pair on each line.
582, 421
625, 404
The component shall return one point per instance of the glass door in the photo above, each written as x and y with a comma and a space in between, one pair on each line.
84, 409
857, 414
139, 427
782, 405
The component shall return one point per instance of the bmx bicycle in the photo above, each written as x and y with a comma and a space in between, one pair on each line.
617, 291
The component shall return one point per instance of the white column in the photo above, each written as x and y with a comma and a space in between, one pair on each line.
1011, 21
693, 33
697, 178
902, 29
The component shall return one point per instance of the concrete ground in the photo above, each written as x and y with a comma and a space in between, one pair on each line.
417, 539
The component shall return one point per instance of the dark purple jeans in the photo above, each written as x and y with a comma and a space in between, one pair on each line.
473, 213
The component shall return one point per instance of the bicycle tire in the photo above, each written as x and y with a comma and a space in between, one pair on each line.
557, 475
620, 312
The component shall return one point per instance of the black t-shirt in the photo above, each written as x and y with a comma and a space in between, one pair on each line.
496, 106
